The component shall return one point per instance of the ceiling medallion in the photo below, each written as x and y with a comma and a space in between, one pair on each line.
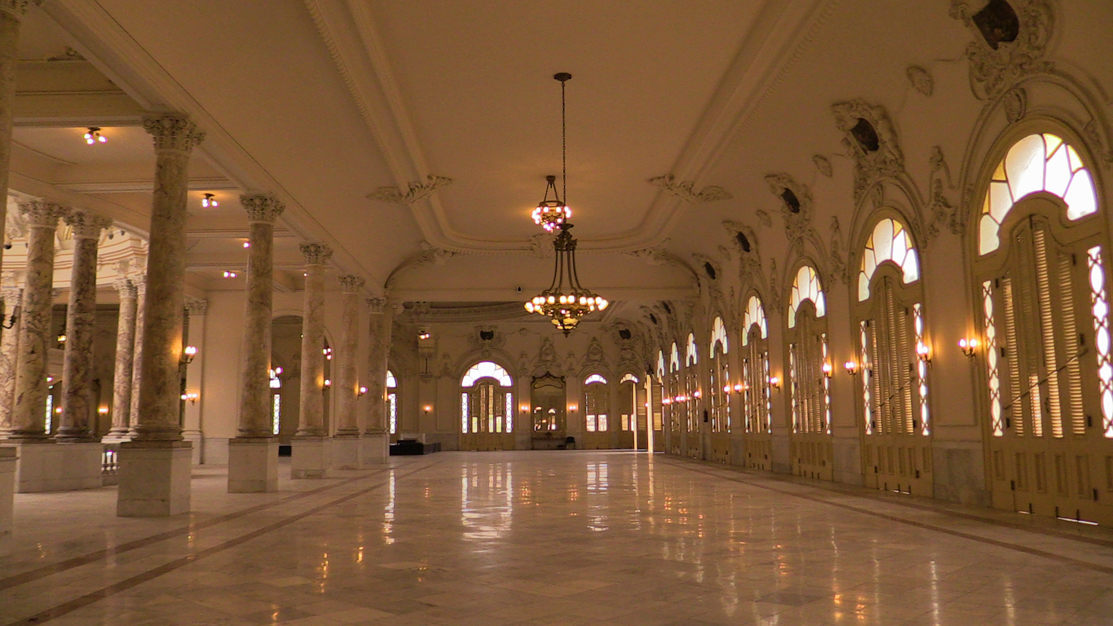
565, 302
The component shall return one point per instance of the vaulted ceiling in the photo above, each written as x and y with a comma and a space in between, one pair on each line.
415, 136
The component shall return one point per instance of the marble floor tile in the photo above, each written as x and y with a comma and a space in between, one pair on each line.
531, 538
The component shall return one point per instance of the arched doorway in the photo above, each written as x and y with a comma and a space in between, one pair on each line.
596, 411
549, 425
809, 378
757, 399
486, 408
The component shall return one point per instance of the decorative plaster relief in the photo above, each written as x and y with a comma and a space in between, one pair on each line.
684, 190
796, 207
921, 80
763, 217
1010, 41
823, 164
871, 141
1015, 102
417, 190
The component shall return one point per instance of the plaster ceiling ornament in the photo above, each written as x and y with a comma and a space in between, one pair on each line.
869, 137
1010, 41
724, 254
429, 255
823, 164
796, 207
764, 218
686, 192
921, 79
416, 190
541, 245
1015, 102
710, 267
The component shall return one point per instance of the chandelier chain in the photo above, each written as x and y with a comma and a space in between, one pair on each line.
563, 145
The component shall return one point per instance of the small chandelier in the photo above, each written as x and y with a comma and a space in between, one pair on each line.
565, 302
550, 214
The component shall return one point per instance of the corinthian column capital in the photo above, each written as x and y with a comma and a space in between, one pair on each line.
316, 253
350, 284
86, 225
173, 131
376, 305
263, 208
126, 288
18, 8
42, 213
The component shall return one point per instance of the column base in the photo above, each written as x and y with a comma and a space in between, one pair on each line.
8, 455
113, 437
50, 466
374, 449
309, 457
252, 465
345, 452
154, 478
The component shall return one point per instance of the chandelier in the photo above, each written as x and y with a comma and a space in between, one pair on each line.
565, 302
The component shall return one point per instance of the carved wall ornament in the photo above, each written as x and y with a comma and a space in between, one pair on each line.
941, 213
547, 359
1010, 41
796, 207
836, 256
921, 79
595, 354
749, 251
541, 245
763, 217
486, 338
684, 190
416, 191
708, 266
263, 208
1015, 102
1093, 137
823, 164
776, 287
724, 254
869, 137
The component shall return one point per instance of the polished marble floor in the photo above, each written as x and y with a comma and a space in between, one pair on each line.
564, 538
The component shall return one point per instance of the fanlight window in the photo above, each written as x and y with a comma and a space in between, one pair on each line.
629, 378
391, 381
392, 402
692, 356
595, 378
486, 369
660, 365
806, 287
718, 336
754, 314
888, 242
674, 359
1036, 163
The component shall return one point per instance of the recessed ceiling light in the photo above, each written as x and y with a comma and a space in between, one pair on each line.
93, 136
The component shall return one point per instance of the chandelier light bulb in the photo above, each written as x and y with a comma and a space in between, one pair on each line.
209, 201
93, 136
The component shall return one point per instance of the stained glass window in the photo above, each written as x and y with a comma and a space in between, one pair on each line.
1100, 309
487, 369
889, 241
805, 286
718, 337
755, 314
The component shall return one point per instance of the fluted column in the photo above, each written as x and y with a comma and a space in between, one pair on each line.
9, 346
81, 316
155, 464
160, 388
347, 387
140, 283
125, 346
310, 453
28, 414
11, 17
255, 395
376, 439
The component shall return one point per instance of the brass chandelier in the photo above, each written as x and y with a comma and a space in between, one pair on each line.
565, 302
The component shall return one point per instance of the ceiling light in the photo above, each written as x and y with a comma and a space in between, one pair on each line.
424, 335
93, 136
550, 214
230, 274
565, 302
247, 244
209, 201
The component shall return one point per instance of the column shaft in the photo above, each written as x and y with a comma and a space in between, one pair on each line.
311, 420
9, 346
28, 415
125, 346
255, 395
347, 392
140, 283
381, 324
160, 384
81, 317
11, 17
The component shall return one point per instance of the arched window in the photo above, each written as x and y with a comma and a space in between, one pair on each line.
806, 288
1044, 315
487, 401
674, 397
808, 366
392, 401
720, 378
757, 401
1036, 163
893, 362
596, 405
276, 400
691, 389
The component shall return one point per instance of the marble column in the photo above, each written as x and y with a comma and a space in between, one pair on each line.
155, 464
11, 18
193, 422
309, 449
376, 439
125, 346
345, 442
28, 413
253, 453
9, 346
140, 283
81, 317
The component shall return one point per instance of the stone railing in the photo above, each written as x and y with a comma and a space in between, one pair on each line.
109, 465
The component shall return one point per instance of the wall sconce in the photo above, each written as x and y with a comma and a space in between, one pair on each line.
247, 244
775, 382
362, 391
423, 335
827, 369
102, 410
62, 339
698, 394
727, 388
524, 408
428, 408
230, 274
969, 347
328, 383
572, 408
851, 367
923, 352
739, 388
328, 353
192, 397
49, 379
666, 401
188, 353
